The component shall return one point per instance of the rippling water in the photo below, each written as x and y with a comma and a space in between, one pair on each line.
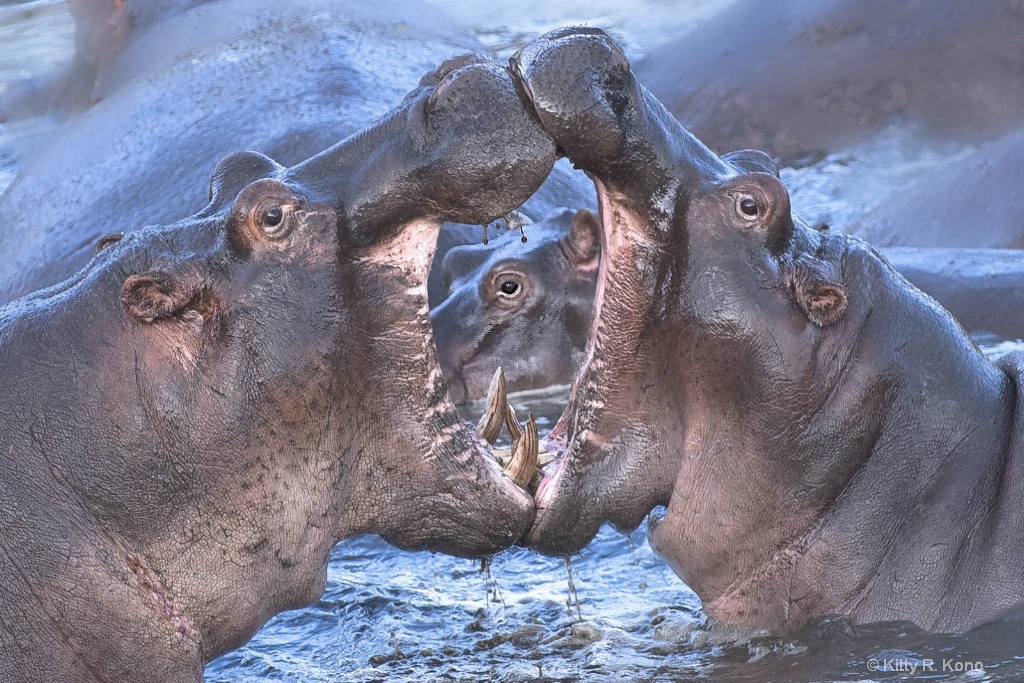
617, 613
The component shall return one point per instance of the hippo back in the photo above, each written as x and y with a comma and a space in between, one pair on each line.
285, 79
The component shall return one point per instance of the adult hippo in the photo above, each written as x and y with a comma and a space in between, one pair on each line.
826, 439
190, 423
816, 76
191, 84
982, 288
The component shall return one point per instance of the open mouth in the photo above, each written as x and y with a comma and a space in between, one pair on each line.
530, 461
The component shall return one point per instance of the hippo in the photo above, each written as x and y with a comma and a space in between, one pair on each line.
192, 421
808, 77
982, 288
976, 201
190, 85
522, 307
825, 438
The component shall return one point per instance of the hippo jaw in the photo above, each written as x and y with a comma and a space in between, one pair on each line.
464, 147
611, 467
274, 359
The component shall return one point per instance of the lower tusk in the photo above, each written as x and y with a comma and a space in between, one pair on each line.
524, 455
490, 424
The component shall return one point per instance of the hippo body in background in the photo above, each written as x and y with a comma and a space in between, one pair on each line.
977, 201
285, 79
827, 440
813, 76
191, 422
103, 28
982, 288
523, 307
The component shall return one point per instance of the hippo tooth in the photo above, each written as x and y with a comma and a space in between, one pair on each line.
515, 430
524, 455
490, 424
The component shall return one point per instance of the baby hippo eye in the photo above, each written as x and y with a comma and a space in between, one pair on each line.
748, 206
272, 218
508, 286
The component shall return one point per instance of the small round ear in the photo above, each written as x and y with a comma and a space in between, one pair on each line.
582, 244
236, 171
752, 161
821, 299
823, 303
159, 294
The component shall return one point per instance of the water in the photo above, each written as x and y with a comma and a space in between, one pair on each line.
393, 616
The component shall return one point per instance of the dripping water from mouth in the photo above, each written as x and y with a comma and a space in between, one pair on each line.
574, 598
493, 591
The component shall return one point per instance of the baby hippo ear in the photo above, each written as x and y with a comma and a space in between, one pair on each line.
819, 296
582, 245
160, 294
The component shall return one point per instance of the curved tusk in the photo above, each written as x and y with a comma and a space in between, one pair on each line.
524, 455
490, 424
512, 423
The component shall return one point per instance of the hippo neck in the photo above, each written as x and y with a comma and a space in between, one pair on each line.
928, 498
898, 470
931, 453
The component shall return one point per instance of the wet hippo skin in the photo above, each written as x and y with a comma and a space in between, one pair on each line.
816, 76
192, 84
190, 423
826, 439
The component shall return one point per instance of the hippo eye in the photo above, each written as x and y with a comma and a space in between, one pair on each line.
508, 286
747, 206
272, 222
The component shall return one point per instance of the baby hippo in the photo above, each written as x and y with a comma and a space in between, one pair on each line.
525, 307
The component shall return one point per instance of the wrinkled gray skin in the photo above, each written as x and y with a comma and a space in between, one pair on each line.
826, 439
977, 201
189, 86
812, 76
523, 307
190, 423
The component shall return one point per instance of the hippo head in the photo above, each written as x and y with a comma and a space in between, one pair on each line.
708, 292
258, 381
523, 307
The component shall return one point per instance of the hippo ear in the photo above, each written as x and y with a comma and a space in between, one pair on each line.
752, 161
821, 299
582, 245
236, 171
157, 295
